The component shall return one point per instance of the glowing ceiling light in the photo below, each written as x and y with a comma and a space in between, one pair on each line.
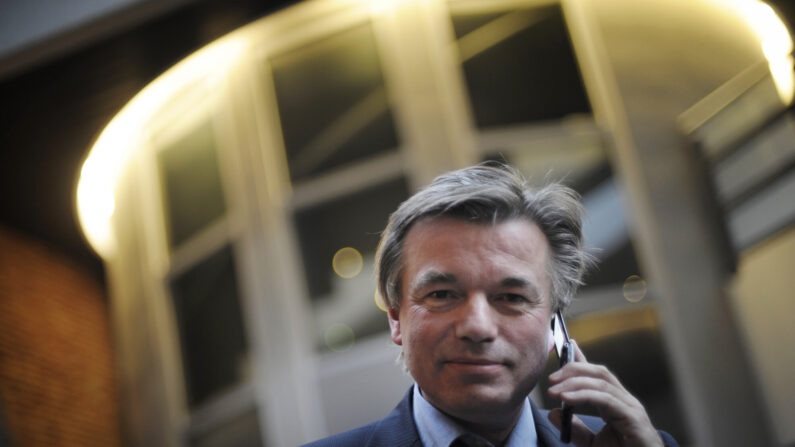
781, 70
120, 138
775, 39
382, 6
390, 7
777, 46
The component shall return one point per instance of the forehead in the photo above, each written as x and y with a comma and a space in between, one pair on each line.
450, 245
519, 230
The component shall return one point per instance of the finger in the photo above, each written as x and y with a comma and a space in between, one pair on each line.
582, 369
585, 382
590, 383
627, 422
612, 408
564, 389
581, 435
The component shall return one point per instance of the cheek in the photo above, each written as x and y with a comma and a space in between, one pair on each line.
423, 336
532, 337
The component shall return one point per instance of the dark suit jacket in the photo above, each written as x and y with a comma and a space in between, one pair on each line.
398, 430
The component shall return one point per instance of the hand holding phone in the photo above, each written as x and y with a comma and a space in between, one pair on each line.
565, 353
605, 392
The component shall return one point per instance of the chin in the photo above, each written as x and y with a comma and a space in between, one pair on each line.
479, 400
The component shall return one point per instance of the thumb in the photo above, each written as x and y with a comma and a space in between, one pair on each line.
581, 435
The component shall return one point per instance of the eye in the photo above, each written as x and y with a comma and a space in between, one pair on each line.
440, 299
513, 298
440, 294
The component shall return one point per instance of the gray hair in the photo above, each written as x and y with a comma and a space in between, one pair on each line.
491, 193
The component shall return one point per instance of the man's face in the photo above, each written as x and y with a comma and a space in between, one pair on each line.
475, 313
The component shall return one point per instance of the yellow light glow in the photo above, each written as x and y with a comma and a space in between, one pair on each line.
96, 208
120, 138
775, 39
379, 301
378, 7
386, 7
347, 262
634, 288
776, 44
781, 70
339, 337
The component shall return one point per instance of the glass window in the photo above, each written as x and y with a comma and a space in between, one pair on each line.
756, 163
193, 196
755, 182
748, 156
210, 324
332, 102
519, 66
338, 241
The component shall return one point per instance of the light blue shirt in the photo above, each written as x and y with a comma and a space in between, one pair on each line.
436, 429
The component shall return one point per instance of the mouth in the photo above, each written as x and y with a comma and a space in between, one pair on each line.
475, 365
473, 361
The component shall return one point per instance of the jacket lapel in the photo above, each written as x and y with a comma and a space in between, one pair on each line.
398, 428
548, 434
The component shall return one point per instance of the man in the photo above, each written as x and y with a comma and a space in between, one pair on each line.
472, 269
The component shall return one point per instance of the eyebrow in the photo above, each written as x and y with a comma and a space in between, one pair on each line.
433, 277
519, 283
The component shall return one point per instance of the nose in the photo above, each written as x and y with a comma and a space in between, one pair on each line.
476, 320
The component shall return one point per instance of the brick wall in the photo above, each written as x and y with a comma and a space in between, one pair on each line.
56, 368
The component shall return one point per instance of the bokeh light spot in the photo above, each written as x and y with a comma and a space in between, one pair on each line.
634, 288
340, 337
347, 262
379, 301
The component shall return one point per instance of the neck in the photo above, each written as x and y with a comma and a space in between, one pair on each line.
493, 426
494, 431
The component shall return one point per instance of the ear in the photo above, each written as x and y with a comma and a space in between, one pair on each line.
550, 339
394, 326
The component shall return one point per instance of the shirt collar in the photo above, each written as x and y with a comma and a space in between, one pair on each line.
436, 429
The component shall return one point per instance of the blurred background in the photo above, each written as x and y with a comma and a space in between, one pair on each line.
193, 190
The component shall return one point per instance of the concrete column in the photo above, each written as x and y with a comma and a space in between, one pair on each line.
639, 82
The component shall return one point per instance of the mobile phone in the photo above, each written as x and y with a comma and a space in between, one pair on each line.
565, 354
